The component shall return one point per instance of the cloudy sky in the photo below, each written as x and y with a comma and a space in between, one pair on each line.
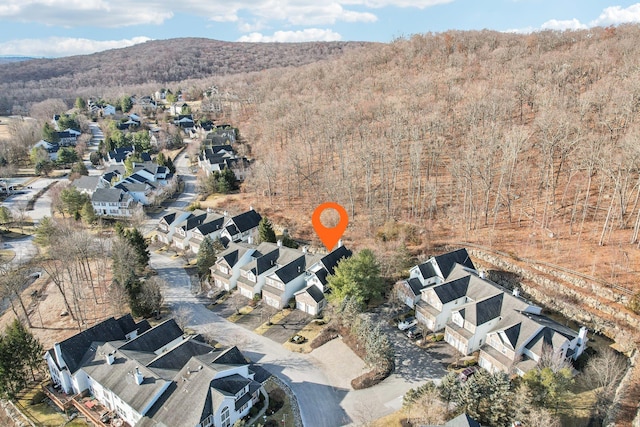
52, 28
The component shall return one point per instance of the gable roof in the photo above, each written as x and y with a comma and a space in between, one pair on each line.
415, 285
246, 220
330, 261
213, 223
110, 195
74, 348
314, 293
292, 270
427, 270
155, 338
447, 261
450, 291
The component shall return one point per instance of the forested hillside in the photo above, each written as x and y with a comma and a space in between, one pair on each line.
523, 143
160, 62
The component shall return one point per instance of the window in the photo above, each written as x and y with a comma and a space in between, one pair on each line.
224, 417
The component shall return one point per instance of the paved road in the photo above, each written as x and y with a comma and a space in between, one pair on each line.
319, 401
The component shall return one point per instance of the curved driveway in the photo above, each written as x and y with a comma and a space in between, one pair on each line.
319, 401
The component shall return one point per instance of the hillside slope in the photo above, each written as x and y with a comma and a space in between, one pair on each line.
159, 61
521, 143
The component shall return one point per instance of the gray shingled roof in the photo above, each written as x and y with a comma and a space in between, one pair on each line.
450, 291
109, 195
74, 348
415, 284
330, 261
447, 261
314, 293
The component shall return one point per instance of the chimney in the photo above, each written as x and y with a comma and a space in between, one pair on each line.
482, 276
250, 207
138, 376
340, 243
516, 292
110, 358
304, 249
58, 352
250, 240
279, 243
225, 213
582, 336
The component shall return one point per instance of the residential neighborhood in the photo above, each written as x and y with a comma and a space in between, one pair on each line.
197, 350
148, 376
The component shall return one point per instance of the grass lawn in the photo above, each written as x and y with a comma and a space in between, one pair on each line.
260, 330
310, 331
43, 414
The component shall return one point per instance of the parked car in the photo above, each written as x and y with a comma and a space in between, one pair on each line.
414, 333
468, 372
407, 323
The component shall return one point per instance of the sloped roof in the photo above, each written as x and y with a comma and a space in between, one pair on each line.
427, 270
447, 261
109, 195
330, 261
85, 182
155, 338
247, 220
462, 420
415, 285
119, 379
292, 270
212, 223
314, 293
74, 348
450, 291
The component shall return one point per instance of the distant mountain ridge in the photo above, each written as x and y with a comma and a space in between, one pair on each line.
156, 61
13, 58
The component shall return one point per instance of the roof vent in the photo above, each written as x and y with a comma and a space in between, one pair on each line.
138, 376
110, 358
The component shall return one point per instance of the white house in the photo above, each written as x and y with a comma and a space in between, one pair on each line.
113, 202
167, 225
226, 270
145, 375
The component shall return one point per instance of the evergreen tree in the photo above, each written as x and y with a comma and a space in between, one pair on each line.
79, 168
358, 277
73, 201
88, 214
134, 237
45, 231
49, 134
265, 231
207, 255
80, 104
20, 354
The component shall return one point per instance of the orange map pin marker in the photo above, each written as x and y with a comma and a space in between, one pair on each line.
330, 236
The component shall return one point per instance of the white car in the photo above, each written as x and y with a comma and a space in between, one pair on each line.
407, 323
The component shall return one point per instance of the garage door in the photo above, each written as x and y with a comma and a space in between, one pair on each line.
246, 293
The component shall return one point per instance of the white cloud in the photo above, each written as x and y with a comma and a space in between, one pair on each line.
617, 15
561, 25
120, 13
63, 46
613, 15
306, 35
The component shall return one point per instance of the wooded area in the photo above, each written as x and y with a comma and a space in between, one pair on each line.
525, 143
152, 64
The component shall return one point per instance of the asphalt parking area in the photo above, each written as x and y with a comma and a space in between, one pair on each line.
283, 330
259, 315
413, 362
231, 305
